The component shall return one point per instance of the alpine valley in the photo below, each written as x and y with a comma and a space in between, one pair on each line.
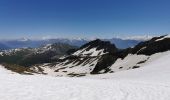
94, 57
97, 70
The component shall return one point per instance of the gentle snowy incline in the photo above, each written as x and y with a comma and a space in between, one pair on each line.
50, 88
150, 82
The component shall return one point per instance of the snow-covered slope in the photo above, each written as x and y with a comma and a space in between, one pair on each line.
92, 52
156, 69
81, 62
150, 82
133, 61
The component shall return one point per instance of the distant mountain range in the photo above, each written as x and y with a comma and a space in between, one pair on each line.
94, 57
3, 46
123, 43
29, 56
97, 57
21, 43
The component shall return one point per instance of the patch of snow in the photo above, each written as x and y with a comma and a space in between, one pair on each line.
1, 53
92, 52
131, 61
167, 36
63, 57
79, 51
23, 39
11, 51
141, 49
128, 62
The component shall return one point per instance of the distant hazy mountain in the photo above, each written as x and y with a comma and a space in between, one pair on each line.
3, 47
122, 44
28, 56
20, 43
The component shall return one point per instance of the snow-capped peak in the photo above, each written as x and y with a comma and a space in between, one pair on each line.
95, 48
24, 39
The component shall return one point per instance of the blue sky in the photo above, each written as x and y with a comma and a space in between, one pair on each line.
83, 18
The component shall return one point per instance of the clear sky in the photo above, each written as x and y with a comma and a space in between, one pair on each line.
83, 18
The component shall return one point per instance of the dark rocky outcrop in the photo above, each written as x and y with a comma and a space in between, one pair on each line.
152, 46
98, 44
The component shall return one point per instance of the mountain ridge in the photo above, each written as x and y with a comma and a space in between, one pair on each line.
78, 65
98, 57
24, 42
29, 56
